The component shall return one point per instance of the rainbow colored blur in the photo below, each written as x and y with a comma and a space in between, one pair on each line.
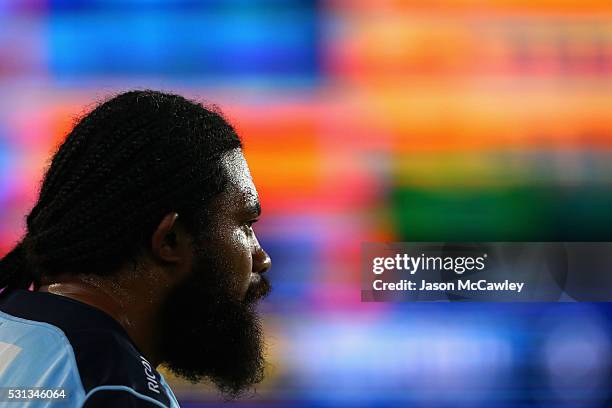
364, 121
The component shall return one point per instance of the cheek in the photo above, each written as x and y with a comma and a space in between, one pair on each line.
231, 248
239, 255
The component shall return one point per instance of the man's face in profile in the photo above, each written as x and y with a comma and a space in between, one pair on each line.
210, 325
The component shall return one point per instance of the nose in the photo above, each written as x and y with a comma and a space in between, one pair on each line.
261, 261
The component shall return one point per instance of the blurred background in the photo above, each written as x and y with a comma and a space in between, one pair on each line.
364, 121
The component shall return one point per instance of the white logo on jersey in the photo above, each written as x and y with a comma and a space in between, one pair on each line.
151, 380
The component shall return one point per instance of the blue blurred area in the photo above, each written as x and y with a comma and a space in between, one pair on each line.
295, 254
216, 40
445, 355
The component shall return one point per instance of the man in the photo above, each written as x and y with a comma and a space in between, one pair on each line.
140, 252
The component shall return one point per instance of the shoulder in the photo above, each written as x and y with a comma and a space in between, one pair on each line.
110, 366
65, 342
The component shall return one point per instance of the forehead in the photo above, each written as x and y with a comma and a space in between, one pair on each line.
240, 183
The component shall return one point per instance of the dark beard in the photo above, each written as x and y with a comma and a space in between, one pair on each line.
207, 334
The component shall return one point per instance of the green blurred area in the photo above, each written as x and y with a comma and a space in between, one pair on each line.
517, 213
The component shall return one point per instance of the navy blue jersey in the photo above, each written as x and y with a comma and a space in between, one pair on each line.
51, 342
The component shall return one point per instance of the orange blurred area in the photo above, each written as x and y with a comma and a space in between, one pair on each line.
575, 7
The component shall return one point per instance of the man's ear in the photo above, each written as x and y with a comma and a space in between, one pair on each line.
169, 240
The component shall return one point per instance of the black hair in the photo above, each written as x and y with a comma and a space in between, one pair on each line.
124, 165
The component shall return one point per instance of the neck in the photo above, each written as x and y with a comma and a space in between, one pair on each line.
135, 314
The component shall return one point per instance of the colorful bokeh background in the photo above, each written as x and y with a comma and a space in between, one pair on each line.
364, 121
